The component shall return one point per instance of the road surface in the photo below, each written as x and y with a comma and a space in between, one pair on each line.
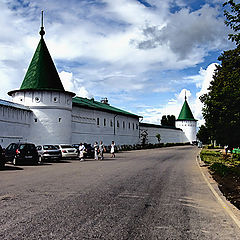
146, 194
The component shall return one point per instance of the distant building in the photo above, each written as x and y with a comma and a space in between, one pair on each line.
186, 122
42, 112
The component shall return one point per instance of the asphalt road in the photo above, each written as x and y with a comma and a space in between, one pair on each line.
147, 194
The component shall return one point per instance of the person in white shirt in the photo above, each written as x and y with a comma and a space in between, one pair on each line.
81, 152
96, 150
113, 149
101, 150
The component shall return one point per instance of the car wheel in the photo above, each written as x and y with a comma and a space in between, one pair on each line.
15, 161
2, 164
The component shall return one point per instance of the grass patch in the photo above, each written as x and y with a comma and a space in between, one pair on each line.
220, 163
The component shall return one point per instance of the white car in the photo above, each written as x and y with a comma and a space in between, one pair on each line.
68, 151
48, 152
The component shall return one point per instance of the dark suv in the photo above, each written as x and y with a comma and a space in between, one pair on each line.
21, 152
2, 157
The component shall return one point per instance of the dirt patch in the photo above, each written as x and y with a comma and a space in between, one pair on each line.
229, 185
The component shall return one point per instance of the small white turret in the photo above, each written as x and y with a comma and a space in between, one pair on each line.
186, 122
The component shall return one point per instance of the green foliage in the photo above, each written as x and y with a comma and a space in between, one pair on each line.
204, 135
233, 20
158, 136
236, 156
146, 146
209, 156
220, 169
168, 120
222, 103
221, 164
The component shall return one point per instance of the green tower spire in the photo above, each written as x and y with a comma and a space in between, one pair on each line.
42, 73
186, 113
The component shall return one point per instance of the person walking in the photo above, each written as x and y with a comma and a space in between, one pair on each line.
101, 150
112, 149
96, 150
81, 152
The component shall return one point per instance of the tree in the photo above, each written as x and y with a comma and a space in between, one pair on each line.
168, 120
158, 136
204, 135
222, 103
233, 20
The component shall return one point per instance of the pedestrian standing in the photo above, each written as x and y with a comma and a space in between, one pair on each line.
96, 150
81, 152
226, 149
101, 150
113, 149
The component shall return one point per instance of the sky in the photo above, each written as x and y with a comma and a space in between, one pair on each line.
143, 55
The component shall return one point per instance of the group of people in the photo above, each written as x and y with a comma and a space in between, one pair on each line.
99, 149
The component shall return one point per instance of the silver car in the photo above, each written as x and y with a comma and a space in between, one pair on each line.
68, 151
49, 152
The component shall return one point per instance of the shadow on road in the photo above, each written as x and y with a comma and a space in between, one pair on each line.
10, 168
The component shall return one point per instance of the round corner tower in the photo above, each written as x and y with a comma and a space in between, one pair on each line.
187, 123
42, 91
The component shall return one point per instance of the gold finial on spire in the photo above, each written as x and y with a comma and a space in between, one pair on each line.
185, 95
42, 32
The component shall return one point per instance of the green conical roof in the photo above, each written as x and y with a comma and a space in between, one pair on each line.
42, 73
186, 113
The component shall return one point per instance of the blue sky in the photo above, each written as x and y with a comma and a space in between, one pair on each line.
143, 55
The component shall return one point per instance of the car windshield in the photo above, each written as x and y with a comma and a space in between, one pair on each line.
66, 146
49, 147
27, 146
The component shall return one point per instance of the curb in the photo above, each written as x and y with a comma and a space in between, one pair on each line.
224, 203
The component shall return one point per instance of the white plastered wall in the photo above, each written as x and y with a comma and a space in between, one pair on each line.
85, 127
168, 135
52, 114
14, 125
189, 128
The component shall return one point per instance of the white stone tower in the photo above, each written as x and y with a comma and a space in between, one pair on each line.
186, 122
43, 92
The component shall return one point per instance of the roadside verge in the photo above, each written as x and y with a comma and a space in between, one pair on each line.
231, 210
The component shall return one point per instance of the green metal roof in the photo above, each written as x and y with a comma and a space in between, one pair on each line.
91, 103
42, 73
186, 113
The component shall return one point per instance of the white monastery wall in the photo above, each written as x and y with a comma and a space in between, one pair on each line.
14, 125
52, 115
168, 135
89, 125
189, 127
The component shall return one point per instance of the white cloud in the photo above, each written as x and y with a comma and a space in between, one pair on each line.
110, 48
207, 77
69, 84
67, 80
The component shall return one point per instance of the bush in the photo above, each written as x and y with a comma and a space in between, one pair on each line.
146, 146
210, 156
220, 169
236, 156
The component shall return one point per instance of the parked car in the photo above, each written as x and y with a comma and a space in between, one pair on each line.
68, 151
48, 152
88, 148
21, 152
2, 157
